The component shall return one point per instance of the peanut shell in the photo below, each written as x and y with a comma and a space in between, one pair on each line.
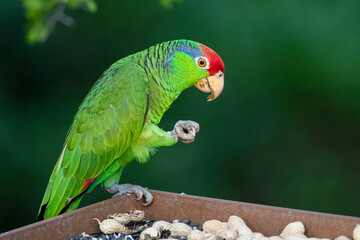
211, 226
292, 229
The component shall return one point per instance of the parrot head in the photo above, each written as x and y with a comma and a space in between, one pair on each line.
214, 66
200, 66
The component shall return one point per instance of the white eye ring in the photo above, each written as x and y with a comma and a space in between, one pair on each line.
198, 60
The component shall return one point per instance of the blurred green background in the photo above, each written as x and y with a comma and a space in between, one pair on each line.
284, 132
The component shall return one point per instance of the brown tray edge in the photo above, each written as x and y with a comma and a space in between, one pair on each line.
169, 206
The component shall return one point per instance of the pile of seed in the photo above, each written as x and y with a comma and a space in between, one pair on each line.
143, 225
131, 226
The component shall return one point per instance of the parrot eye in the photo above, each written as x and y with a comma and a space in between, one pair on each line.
202, 62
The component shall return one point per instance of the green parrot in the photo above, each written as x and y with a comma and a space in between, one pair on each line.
118, 120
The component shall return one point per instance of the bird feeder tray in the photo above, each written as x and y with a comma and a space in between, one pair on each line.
169, 206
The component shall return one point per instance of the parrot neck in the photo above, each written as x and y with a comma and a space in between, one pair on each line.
162, 91
160, 100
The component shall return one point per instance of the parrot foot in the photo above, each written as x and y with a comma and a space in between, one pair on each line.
185, 130
140, 192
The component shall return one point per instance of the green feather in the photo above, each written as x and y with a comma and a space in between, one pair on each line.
87, 153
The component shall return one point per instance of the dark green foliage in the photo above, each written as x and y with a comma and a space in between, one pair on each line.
287, 124
168, 4
43, 15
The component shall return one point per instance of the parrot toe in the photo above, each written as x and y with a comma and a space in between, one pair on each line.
140, 192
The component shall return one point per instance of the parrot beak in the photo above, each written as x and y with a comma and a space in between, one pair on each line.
213, 84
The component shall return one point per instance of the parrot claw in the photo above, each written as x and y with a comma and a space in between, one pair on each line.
140, 192
185, 130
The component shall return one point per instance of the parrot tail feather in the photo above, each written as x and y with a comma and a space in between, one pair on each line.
40, 217
86, 187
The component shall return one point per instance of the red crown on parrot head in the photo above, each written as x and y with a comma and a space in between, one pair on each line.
215, 62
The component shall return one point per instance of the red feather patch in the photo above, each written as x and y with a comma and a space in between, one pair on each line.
88, 182
216, 63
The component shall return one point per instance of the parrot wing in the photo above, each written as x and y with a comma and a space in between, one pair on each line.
107, 122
